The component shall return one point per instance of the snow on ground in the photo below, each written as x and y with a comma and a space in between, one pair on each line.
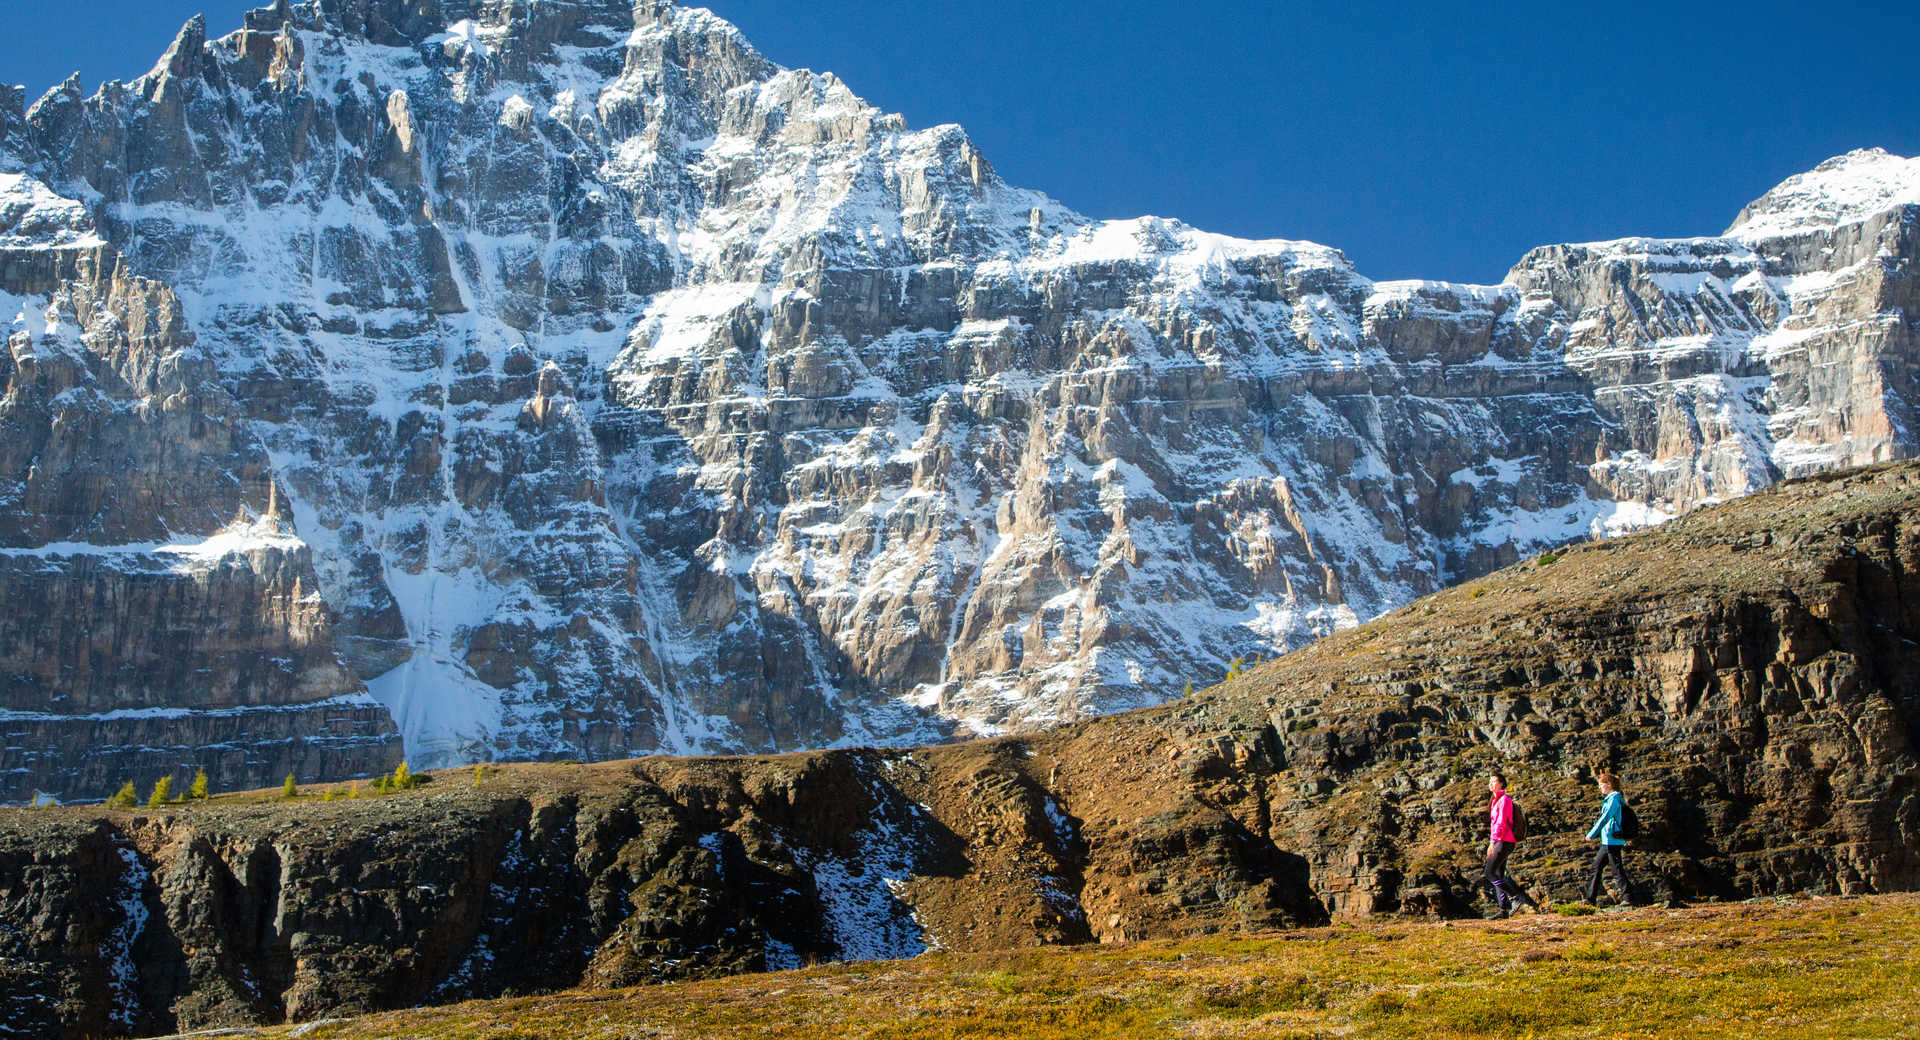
123, 968
180, 554
817, 181
860, 896
345, 701
35, 217
1843, 190
445, 715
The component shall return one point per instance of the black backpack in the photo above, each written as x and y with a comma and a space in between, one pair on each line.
1519, 822
1629, 822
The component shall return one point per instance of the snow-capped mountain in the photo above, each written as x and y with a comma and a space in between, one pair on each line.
567, 379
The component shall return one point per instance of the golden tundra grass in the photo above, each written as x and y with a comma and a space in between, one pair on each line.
1819, 968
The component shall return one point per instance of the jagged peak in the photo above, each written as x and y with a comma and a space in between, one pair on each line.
183, 54
269, 19
66, 90
1842, 190
412, 22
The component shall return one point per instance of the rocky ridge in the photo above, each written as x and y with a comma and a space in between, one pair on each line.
570, 380
1748, 670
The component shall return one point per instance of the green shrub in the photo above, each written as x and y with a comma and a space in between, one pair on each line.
124, 798
1005, 983
162, 792
1573, 909
1590, 950
1549, 559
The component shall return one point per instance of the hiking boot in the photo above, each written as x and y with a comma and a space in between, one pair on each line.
1501, 914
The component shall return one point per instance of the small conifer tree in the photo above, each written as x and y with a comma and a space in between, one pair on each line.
162, 792
327, 795
402, 778
198, 790
289, 789
477, 774
353, 789
123, 798
1188, 692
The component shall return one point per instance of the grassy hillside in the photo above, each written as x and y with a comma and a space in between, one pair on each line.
1828, 967
1749, 670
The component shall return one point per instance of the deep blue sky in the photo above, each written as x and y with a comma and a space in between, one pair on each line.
1426, 140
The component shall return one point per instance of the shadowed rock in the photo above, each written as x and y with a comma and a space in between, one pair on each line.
1748, 670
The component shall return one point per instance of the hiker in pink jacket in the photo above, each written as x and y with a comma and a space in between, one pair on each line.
1502, 839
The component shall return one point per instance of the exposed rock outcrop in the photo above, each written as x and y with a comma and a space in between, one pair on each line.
623, 392
160, 614
1749, 670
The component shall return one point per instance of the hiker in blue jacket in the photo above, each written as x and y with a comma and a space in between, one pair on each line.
1610, 828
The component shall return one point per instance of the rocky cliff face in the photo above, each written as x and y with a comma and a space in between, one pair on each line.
568, 379
1748, 670
160, 614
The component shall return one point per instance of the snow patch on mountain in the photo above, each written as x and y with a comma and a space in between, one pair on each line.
1845, 189
632, 393
34, 217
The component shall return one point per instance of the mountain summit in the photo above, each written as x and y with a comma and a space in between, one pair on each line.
568, 379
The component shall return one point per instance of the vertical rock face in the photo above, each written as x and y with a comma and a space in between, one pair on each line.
160, 614
617, 390
1748, 670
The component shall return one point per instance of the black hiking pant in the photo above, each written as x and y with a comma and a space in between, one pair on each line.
1616, 855
1505, 889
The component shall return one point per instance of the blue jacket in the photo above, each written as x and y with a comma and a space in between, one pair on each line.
1607, 827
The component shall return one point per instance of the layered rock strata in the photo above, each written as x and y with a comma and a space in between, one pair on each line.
617, 390
1748, 670
160, 615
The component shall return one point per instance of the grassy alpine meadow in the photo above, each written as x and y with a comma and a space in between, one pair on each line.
1823, 967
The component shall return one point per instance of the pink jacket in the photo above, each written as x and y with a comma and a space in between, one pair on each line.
1500, 816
